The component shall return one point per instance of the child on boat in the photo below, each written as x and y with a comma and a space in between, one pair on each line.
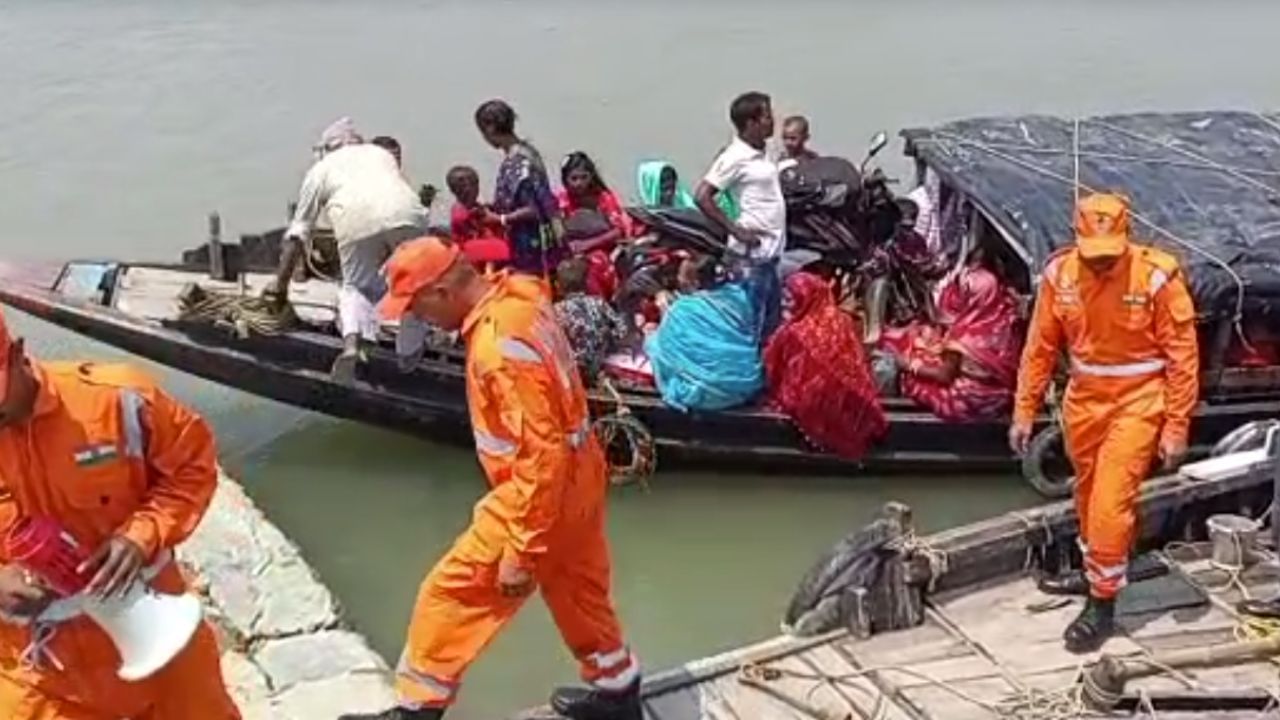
593, 327
473, 224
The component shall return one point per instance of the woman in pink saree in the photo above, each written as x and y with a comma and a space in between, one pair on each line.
966, 369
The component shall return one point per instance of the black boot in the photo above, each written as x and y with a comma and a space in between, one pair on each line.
398, 713
1092, 626
578, 703
1071, 582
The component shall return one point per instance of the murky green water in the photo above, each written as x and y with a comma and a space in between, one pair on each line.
122, 123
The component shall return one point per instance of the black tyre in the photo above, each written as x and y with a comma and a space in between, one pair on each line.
1046, 465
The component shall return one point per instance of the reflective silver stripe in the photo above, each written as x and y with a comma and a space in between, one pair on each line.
513, 349
493, 445
1158, 279
131, 415
1133, 369
1106, 573
443, 689
578, 437
622, 680
1084, 547
608, 660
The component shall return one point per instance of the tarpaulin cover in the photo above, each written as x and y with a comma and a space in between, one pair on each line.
1205, 186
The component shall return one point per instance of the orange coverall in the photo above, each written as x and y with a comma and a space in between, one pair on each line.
107, 452
1131, 340
545, 510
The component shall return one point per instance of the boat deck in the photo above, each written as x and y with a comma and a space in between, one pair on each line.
152, 292
993, 652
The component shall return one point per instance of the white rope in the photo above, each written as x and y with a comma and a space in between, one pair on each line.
1169, 235
1135, 159
1188, 153
1075, 156
1027, 704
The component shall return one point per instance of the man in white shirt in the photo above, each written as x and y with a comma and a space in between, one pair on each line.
360, 190
744, 170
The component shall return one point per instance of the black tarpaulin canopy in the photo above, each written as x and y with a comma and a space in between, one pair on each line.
1205, 186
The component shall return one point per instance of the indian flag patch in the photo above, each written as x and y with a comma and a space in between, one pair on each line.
95, 454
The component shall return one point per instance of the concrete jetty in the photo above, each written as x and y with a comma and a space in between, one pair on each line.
287, 655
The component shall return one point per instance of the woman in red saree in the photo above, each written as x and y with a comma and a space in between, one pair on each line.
966, 369
817, 374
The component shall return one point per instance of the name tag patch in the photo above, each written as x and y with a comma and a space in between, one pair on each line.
95, 454
1135, 299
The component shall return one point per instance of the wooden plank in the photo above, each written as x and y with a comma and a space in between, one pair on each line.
943, 702
749, 702
999, 621
860, 691
926, 642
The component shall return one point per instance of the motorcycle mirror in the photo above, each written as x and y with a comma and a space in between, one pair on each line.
878, 141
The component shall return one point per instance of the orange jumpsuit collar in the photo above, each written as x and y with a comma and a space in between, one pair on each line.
47, 397
497, 283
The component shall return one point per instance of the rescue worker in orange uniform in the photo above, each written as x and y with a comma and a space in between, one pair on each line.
128, 472
542, 524
1124, 315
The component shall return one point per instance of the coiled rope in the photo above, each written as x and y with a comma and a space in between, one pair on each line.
621, 429
1029, 703
242, 314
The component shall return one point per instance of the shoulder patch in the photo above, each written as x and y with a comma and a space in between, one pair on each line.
1159, 259
1056, 262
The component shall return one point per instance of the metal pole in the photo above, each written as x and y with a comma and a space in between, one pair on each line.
217, 263
1273, 455
1075, 158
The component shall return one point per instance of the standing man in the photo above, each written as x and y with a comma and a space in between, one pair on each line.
363, 194
1126, 319
542, 523
128, 473
757, 239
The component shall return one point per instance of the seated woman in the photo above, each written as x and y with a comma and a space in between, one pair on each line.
593, 328
660, 187
583, 192
704, 354
817, 373
966, 369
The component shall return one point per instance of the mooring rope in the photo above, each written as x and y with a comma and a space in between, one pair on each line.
1028, 703
622, 426
244, 314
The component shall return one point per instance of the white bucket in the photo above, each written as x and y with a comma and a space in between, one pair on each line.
1233, 538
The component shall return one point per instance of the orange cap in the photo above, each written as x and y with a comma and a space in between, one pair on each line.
6, 344
1102, 225
413, 266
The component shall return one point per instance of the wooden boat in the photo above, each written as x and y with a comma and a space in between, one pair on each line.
964, 633
134, 306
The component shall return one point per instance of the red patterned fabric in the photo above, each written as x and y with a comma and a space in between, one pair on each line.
818, 375
602, 276
980, 322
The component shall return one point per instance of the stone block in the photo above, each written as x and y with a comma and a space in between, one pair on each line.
356, 693
247, 685
290, 601
311, 658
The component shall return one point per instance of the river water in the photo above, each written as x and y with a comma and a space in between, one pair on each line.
123, 122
